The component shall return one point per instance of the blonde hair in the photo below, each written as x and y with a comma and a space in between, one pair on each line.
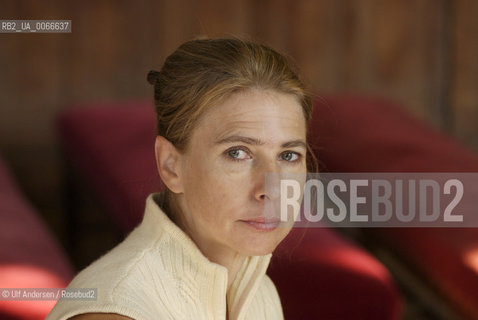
202, 73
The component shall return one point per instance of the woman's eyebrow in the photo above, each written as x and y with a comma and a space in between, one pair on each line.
294, 143
254, 141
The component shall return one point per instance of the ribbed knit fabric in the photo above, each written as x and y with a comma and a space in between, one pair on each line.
158, 272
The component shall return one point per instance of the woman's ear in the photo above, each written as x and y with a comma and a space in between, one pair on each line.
168, 164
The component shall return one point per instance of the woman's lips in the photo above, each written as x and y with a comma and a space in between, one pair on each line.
263, 224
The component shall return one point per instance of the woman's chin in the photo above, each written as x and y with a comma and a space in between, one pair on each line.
260, 251
259, 244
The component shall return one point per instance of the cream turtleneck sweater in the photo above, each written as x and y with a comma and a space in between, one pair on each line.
158, 272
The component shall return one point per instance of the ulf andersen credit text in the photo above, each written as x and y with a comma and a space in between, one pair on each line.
48, 293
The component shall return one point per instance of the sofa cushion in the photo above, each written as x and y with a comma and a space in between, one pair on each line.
30, 257
364, 134
112, 146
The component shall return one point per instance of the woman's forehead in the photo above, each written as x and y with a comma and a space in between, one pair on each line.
268, 116
260, 129
254, 108
270, 122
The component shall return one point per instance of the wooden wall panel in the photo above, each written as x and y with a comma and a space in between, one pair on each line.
223, 18
105, 53
171, 23
465, 71
395, 49
394, 52
272, 23
29, 77
316, 42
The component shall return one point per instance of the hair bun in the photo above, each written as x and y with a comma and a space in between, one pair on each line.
153, 76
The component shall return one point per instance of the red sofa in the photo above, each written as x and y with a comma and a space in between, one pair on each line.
363, 134
30, 256
318, 273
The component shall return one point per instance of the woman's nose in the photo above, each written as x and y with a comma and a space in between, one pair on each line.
265, 180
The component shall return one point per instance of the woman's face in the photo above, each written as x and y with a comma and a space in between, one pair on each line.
223, 171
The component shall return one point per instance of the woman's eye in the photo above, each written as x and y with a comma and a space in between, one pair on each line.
289, 156
237, 154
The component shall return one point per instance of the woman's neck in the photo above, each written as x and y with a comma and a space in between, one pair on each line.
217, 254
233, 264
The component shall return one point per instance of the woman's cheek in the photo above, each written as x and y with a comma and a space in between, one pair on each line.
229, 180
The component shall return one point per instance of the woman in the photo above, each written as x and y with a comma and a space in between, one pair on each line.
228, 111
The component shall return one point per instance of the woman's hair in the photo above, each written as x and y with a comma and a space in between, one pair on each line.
202, 73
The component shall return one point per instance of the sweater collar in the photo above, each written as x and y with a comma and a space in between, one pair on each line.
195, 273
